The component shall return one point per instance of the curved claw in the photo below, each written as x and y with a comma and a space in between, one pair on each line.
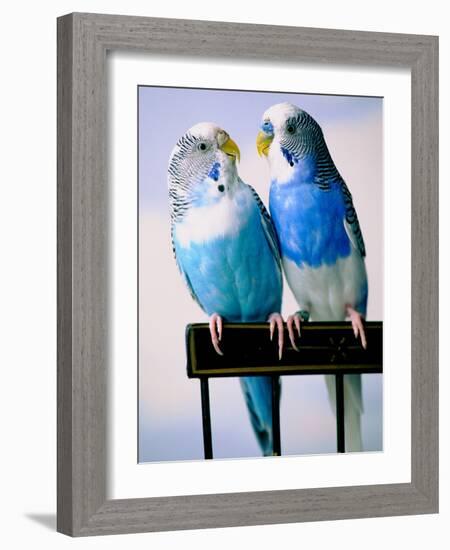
215, 329
357, 325
292, 320
275, 319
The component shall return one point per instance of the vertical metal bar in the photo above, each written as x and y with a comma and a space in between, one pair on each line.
206, 418
276, 416
340, 413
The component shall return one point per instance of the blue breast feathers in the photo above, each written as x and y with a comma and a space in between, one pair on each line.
234, 275
309, 222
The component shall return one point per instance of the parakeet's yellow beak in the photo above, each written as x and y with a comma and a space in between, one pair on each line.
230, 148
263, 142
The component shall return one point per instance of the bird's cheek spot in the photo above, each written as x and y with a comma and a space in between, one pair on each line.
291, 160
221, 188
215, 171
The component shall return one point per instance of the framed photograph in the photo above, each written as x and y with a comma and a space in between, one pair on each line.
247, 274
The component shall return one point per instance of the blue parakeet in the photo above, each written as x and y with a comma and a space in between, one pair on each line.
321, 243
226, 249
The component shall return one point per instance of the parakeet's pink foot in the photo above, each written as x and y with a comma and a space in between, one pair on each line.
357, 324
215, 328
294, 320
276, 320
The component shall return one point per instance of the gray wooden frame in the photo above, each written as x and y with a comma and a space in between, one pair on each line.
83, 41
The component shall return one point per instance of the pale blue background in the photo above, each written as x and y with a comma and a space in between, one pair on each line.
169, 403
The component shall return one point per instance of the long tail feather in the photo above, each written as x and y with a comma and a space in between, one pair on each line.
258, 397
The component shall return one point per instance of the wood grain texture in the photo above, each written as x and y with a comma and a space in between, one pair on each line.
424, 276
64, 296
83, 40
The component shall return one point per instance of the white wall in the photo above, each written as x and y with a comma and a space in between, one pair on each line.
27, 300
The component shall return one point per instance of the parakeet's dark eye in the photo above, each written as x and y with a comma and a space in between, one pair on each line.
290, 128
221, 188
202, 146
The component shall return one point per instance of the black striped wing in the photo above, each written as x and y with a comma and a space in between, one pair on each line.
351, 221
268, 227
